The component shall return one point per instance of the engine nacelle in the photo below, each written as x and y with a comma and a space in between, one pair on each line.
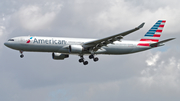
75, 48
59, 56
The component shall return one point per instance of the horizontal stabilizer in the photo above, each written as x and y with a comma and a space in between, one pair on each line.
160, 42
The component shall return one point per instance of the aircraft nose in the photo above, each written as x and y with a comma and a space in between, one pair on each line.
6, 44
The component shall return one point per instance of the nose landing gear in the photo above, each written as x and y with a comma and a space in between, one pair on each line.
21, 54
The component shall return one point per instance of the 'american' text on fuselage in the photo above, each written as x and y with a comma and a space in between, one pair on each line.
46, 41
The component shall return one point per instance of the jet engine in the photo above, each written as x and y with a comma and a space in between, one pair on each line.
75, 48
59, 56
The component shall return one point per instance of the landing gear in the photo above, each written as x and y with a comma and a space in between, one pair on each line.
85, 62
21, 54
94, 58
91, 56
82, 60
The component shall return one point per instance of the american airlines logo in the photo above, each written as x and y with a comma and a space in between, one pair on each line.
51, 41
29, 40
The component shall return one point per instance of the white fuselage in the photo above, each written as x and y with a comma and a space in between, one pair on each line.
60, 45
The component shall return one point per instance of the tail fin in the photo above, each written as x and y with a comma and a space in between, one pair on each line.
154, 33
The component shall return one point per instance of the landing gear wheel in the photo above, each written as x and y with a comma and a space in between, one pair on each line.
85, 62
91, 56
81, 60
96, 59
21, 55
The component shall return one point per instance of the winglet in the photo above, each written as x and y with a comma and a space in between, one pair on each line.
140, 26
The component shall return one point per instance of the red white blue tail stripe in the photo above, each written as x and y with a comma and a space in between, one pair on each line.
154, 33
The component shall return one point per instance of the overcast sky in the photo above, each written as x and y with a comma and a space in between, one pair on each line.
152, 75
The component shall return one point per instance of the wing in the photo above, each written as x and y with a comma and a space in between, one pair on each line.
97, 44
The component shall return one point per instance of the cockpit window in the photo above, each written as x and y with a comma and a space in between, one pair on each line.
11, 40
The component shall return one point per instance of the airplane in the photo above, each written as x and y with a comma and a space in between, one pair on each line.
62, 47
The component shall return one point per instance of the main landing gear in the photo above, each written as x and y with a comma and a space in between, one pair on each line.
94, 58
21, 54
81, 60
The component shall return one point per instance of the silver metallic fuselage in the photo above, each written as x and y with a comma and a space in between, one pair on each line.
60, 45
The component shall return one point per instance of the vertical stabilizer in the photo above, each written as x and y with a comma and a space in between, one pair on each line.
154, 33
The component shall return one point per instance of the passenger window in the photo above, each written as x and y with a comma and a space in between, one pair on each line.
11, 40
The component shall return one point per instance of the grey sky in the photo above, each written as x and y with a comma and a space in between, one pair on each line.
150, 75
